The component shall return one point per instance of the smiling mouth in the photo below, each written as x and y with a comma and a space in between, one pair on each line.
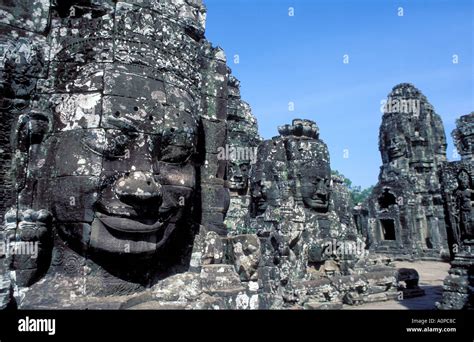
237, 182
318, 200
130, 226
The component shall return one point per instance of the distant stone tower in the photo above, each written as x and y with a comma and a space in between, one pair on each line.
405, 209
241, 150
463, 136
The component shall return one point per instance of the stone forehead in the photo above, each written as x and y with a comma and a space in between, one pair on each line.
405, 89
308, 150
137, 33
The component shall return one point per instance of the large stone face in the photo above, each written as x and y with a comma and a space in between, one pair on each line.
404, 215
117, 109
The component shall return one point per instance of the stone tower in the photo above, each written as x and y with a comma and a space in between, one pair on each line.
241, 151
311, 251
405, 210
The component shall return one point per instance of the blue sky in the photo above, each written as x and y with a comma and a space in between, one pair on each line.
299, 59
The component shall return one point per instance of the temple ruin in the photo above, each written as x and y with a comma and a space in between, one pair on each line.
133, 175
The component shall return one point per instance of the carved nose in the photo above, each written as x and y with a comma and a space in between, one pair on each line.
321, 189
137, 187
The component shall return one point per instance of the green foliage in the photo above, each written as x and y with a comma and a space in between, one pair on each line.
358, 194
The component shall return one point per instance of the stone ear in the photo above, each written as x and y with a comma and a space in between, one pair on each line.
31, 129
38, 127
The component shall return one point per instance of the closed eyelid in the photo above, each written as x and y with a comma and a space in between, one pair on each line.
189, 155
124, 126
102, 148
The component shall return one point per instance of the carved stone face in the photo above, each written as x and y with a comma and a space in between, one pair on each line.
315, 187
123, 173
463, 180
238, 175
259, 196
263, 195
396, 147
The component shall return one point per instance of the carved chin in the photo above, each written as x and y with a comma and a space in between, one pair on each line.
128, 237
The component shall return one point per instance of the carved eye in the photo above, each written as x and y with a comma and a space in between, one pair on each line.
111, 145
176, 154
115, 147
177, 147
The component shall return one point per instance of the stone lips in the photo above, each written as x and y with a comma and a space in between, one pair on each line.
129, 226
